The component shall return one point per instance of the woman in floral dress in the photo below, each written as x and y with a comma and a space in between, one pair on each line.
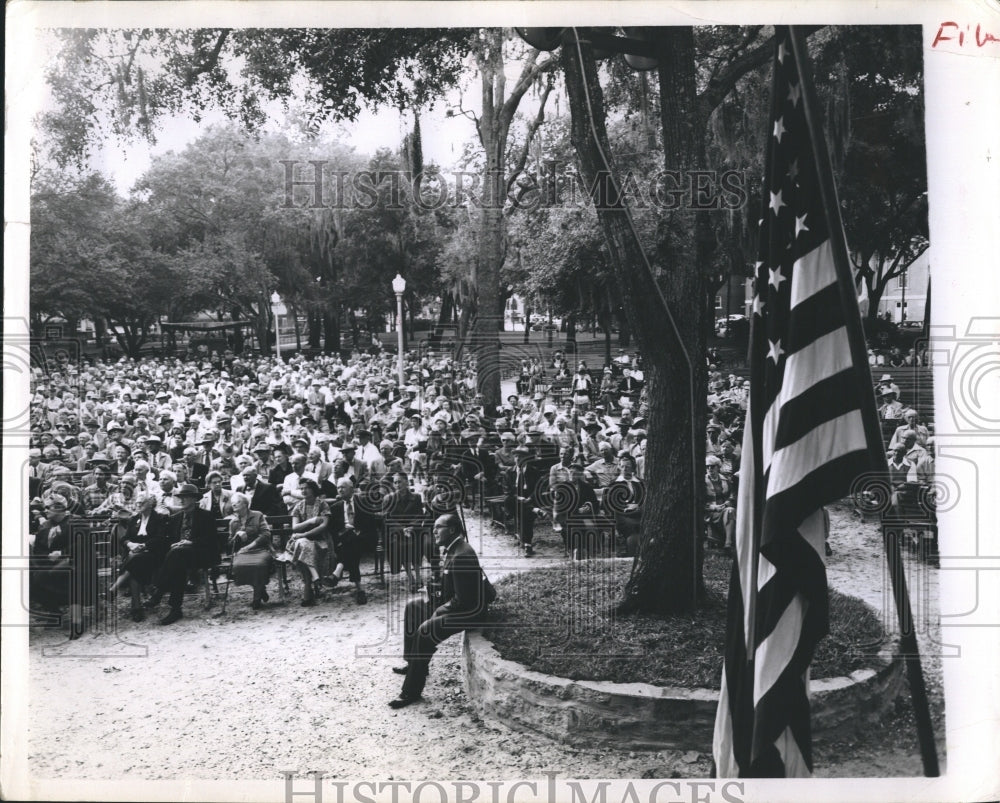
310, 544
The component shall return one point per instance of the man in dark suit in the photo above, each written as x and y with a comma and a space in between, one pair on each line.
350, 526
193, 545
526, 479
263, 497
357, 469
629, 386
406, 529
465, 596
196, 471
480, 468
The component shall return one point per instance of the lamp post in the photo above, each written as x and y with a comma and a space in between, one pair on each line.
277, 309
399, 287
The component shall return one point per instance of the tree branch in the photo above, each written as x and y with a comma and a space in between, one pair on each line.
894, 220
472, 116
720, 86
533, 127
531, 71
210, 62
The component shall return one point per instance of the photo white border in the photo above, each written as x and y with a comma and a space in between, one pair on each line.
962, 84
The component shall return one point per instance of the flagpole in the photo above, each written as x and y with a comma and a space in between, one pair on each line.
859, 357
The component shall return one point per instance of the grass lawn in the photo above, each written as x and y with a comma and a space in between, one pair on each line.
557, 621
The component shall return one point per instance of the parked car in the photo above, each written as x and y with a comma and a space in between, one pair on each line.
723, 326
908, 333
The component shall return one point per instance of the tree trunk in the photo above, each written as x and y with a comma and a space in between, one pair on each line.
264, 331
464, 320
527, 323
624, 331
354, 329
101, 332
447, 308
298, 329
666, 575
314, 329
331, 327
498, 110
486, 335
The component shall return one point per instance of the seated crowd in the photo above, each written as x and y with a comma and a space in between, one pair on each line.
250, 465
908, 439
247, 465
910, 453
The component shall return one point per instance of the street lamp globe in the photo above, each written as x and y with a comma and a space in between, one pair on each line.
275, 298
399, 285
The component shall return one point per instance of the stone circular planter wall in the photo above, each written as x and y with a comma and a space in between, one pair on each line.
642, 716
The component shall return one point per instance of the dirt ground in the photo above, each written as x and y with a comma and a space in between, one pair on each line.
248, 694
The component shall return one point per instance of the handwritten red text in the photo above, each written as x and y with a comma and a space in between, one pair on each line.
953, 32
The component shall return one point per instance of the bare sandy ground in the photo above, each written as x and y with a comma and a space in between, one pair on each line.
246, 695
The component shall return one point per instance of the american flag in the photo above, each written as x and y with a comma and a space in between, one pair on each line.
810, 420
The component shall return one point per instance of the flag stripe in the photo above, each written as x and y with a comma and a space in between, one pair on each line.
818, 315
746, 491
778, 592
778, 646
828, 399
822, 359
788, 509
826, 442
812, 273
722, 738
794, 762
789, 696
